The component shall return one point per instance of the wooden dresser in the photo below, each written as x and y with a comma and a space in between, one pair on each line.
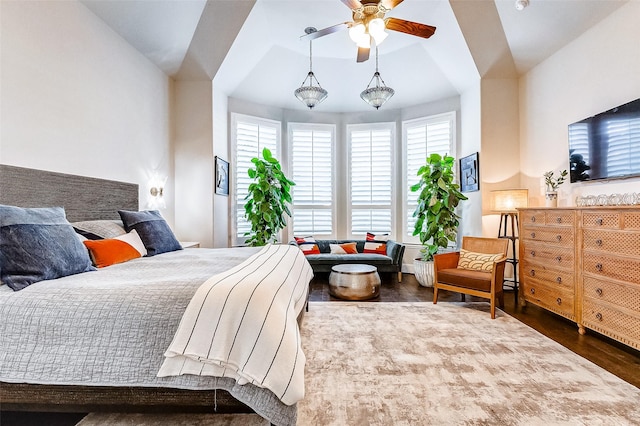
584, 264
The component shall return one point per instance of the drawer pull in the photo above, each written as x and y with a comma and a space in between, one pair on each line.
559, 280
599, 221
599, 267
559, 219
533, 218
559, 301
533, 235
559, 258
599, 316
533, 253
532, 273
599, 291
532, 291
559, 237
599, 243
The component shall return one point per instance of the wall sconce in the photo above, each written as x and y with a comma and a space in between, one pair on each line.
156, 192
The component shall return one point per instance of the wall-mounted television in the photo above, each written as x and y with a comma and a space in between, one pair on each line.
607, 145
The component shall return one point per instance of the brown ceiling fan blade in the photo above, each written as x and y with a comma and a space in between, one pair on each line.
352, 4
325, 31
408, 27
390, 4
363, 54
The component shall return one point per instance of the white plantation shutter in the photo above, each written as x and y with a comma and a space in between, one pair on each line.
311, 153
371, 177
250, 136
423, 137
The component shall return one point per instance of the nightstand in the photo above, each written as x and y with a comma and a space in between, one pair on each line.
190, 244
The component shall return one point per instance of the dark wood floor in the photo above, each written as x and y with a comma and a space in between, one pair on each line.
618, 359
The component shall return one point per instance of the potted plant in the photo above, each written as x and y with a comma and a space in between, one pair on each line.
267, 200
552, 183
437, 221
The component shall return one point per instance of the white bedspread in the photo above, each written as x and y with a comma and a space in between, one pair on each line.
242, 324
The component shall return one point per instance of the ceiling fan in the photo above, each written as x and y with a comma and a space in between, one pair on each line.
368, 25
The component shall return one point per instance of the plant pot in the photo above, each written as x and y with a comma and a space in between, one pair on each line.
423, 271
551, 199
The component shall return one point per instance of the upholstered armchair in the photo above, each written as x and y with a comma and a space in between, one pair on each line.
477, 269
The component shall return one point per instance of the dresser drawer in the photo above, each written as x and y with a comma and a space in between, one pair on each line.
551, 277
625, 296
612, 322
560, 218
602, 219
604, 266
553, 299
611, 241
551, 257
531, 218
631, 220
557, 236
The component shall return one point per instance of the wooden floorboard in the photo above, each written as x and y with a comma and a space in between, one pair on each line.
614, 357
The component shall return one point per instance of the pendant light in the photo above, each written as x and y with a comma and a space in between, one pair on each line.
311, 95
378, 94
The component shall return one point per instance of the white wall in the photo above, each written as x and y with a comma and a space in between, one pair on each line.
194, 162
76, 98
596, 72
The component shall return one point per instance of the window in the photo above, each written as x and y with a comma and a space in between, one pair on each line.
250, 135
371, 182
311, 153
421, 138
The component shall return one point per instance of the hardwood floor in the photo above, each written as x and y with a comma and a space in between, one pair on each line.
614, 357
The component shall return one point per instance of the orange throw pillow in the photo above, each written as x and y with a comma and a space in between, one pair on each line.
109, 252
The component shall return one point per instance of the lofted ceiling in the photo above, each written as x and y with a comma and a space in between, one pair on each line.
267, 60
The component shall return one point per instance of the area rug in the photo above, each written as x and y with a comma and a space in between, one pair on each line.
445, 364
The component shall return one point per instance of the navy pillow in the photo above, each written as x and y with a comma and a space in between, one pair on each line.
38, 244
153, 230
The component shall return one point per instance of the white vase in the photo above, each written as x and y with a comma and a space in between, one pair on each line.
423, 271
551, 199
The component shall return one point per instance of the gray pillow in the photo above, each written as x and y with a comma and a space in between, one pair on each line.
38, 244
153, 230
99, 229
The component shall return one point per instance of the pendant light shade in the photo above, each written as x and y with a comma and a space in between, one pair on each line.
377, 92
310, 93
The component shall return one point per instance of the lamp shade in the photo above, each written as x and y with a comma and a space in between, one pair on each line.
508, 200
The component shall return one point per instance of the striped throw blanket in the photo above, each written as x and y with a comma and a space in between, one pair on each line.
242, 324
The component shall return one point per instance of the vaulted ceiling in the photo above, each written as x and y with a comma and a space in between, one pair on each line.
253, 50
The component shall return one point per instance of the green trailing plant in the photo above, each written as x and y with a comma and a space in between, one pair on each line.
438, 196
267, 200
552, 182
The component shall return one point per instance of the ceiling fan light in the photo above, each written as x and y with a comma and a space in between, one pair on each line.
379, 38
356, 32
376, 29
364, 41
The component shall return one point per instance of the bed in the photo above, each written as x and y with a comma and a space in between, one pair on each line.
97, 340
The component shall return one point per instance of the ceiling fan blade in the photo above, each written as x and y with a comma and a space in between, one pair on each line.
325, 31
408, 27
390, 4
363, 54
352, 4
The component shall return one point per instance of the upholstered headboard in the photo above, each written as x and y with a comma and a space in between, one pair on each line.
83, 198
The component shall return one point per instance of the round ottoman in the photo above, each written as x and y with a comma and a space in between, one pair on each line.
354, 282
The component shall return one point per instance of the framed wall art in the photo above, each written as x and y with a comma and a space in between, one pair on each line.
469, 173
222, 176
